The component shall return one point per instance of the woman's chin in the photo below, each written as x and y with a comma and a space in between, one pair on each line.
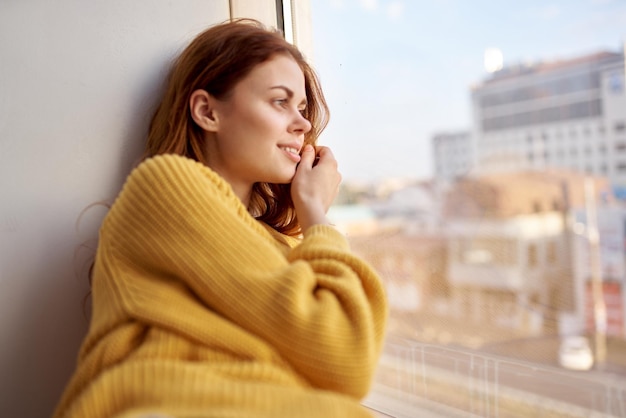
285, 178
288, 177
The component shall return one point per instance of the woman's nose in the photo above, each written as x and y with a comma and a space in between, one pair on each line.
301, 124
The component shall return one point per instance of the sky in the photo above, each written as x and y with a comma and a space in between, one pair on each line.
396, 72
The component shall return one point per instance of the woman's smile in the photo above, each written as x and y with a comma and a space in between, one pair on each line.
292, 153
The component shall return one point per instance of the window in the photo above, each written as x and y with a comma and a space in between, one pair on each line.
616, 82
551, 250
566, 112
486, 250
532, 255
499, 288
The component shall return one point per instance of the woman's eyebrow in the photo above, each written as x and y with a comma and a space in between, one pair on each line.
288, 92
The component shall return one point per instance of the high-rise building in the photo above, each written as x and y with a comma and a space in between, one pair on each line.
453, 155
568, 114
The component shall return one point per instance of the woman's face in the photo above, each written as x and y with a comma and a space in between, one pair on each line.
260, 128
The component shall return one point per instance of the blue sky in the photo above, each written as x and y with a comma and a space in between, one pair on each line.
397, 71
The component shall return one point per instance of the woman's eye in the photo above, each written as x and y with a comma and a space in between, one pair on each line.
281, 102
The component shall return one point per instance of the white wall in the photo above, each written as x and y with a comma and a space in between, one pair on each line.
78, 80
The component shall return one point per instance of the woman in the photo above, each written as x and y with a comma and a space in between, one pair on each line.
219, 287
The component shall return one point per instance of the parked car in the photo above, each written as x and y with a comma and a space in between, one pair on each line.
575, 353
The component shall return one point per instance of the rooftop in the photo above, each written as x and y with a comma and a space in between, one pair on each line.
521, 193
543, 67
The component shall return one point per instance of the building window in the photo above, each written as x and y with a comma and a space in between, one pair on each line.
550, 115
620, 146
551, 252
621, 167
620, 127
486, 251
532, 255
616, 82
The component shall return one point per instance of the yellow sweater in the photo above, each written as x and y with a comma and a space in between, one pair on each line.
199, 310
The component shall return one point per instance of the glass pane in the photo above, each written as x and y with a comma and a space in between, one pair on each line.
482, 149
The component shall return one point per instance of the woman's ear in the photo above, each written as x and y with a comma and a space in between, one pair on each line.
201, 106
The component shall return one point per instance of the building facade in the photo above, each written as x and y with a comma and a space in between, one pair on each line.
453, 155
510, 244
566, 114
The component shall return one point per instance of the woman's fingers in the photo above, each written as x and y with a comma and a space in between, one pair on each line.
307, 157
314, 187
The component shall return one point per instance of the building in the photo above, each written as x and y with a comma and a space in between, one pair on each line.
569, 114
604, 264
412, 209
510, 257
453, 155
354, 219
411, 266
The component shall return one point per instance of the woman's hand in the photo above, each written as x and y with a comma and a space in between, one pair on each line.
314, 187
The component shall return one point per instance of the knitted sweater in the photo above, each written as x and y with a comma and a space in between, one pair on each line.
199, 310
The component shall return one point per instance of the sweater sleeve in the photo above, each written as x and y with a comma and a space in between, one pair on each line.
321, 307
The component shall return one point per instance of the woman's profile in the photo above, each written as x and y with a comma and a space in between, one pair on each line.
219, 288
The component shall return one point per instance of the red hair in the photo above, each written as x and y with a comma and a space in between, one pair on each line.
215, 61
